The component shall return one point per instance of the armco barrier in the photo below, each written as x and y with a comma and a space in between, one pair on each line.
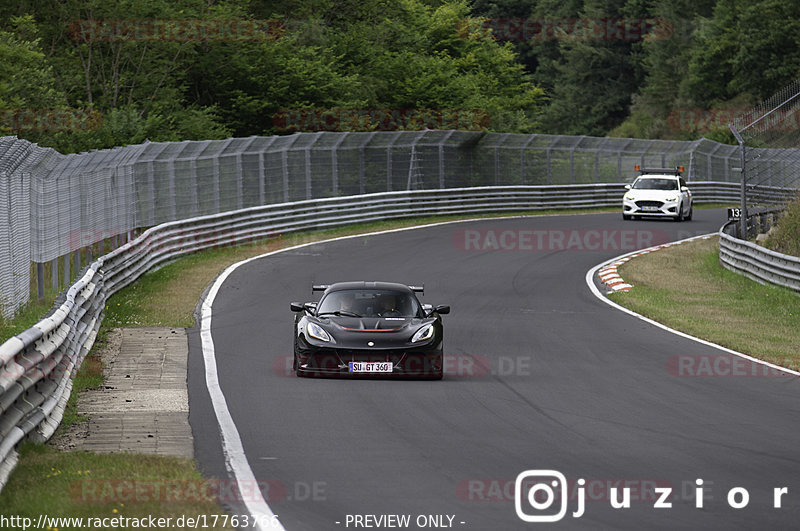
37, 366
756, 262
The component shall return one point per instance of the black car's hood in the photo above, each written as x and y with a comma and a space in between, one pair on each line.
374, 324
359, 332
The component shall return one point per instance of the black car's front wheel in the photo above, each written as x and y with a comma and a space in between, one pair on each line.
438, 370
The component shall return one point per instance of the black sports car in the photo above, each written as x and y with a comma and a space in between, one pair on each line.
368, 329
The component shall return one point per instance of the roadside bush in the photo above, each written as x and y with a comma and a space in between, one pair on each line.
786, 236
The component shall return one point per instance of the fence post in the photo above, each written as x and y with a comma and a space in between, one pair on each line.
523, 158
40, 281
441, 158
261, 177
549, 178
572, 165
54, 274
309, 192
361, 176
335, 164
66, 273
389, 160
743, 190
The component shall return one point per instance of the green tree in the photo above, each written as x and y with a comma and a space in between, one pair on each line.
26, 81
664, 59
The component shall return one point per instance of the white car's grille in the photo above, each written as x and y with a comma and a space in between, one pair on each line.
641, 204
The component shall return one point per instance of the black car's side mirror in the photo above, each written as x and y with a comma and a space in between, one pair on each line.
440, 309
299, 307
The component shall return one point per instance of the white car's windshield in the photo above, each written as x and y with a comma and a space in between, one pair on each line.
655, 184
369, 303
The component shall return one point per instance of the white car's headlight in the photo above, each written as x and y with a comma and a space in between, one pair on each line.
671, 199
629, 196
317, 332
424, 333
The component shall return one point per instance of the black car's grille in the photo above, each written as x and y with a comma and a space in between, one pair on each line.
641, 204
403, 361
364, 355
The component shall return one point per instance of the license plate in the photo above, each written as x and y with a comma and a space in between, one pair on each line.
650, 208
370, 366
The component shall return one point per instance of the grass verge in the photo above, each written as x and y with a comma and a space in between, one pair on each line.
686, 288
88, 485
27, 316
785, 237
89, 376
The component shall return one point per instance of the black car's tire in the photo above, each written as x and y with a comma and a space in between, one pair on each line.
438, 375
296, 367
295, 363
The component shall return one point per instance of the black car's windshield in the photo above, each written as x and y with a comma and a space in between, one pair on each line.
655, 184
369, 303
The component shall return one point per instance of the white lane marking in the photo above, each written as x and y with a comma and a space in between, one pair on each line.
235, 458
596, 292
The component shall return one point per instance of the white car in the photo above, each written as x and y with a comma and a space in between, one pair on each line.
658, 194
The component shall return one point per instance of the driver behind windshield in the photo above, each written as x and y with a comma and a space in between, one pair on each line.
387, 306
347, 304
656, 184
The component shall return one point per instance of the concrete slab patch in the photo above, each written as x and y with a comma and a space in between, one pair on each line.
144, 404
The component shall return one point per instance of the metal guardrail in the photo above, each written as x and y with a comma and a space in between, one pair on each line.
37, 366
756, 262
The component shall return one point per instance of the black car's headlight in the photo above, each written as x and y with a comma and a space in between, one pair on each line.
423, 334
317, 332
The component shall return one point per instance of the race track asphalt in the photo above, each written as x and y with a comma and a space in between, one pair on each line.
540, 375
